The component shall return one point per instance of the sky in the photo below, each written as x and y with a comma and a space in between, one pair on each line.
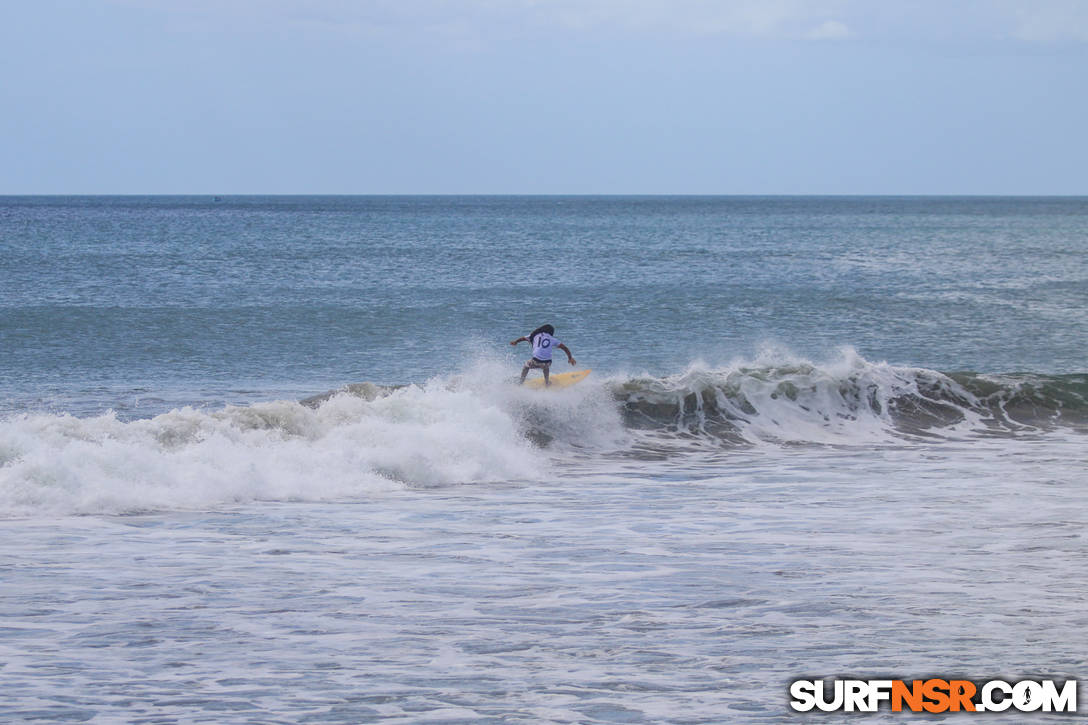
544, 97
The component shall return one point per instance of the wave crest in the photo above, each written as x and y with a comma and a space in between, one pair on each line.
851, 401
470, 429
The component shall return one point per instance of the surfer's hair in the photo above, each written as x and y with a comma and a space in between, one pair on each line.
543, 328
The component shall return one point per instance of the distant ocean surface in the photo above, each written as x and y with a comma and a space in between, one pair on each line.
263, 459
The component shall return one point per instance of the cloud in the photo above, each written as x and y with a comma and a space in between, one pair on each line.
741, 17
830, 30
759, 18
949, 21
1049, 21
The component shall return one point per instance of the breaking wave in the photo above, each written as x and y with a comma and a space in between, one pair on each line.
365, 439
851, 401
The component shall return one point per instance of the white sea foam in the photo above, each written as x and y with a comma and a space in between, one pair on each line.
190, 459
624, 595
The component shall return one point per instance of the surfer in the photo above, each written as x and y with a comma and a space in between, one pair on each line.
543, 341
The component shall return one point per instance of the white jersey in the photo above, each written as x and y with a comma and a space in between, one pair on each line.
542, 346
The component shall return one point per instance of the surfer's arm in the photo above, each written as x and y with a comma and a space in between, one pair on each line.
520, 339
564, 348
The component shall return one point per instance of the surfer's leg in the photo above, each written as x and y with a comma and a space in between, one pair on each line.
547, 366
530, 364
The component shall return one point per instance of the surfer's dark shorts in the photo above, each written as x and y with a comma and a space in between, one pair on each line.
533, 364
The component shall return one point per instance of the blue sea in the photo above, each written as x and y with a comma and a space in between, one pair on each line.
265, 460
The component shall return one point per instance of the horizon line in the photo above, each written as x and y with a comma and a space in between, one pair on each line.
749, 195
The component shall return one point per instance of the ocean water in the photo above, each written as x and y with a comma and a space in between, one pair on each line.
262, 459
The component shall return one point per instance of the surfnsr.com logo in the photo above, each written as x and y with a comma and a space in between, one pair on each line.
933, 695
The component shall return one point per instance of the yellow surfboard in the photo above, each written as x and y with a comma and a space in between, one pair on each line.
558, 380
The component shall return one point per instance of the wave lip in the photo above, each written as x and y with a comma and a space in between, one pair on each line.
1028, 400
849, 401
